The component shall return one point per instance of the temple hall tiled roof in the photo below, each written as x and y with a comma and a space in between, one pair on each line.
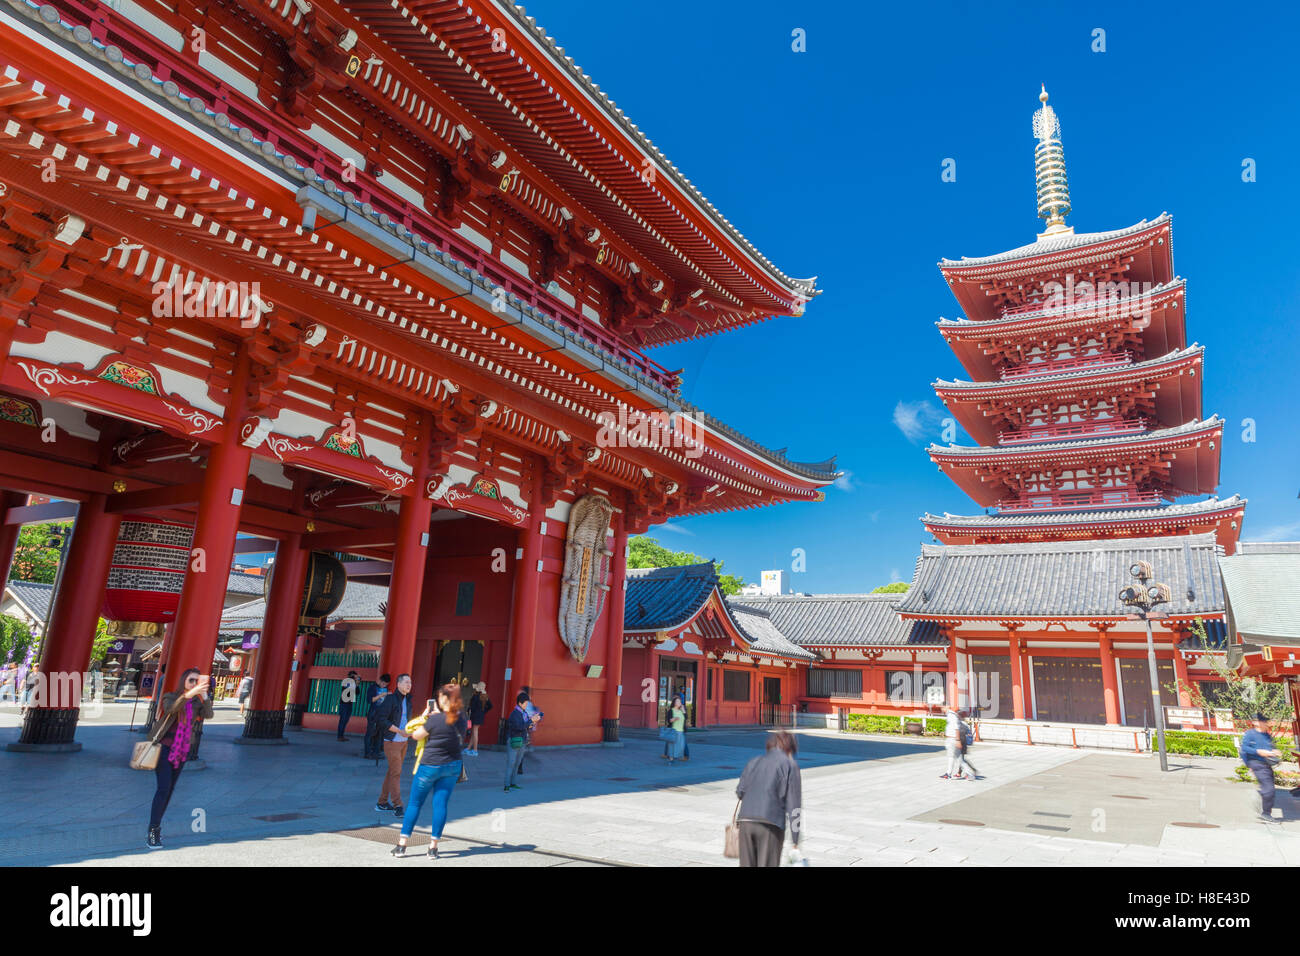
34, 596
1268, 547
1059, 243
660, 599
842, 620
1062, 579
360, 603
1209, 506
1263, 600
763, 635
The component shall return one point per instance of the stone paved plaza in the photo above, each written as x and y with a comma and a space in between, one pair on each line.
868, 801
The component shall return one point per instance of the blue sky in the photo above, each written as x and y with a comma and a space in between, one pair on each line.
829, 161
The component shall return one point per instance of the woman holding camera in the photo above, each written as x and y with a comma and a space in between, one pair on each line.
438, 732
183, 711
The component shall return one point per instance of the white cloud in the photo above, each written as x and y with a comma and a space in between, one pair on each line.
916, 419
844, 482
893, 576
1279, 532
675, 529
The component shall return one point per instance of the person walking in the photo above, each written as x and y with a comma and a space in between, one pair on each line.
347, 694
677, 724
245, 688
1260, 754
770, 794
517, 729
535, 716
394, 715
9, 682
439, 733
374, 729
686, 746
479, 705
954, 732
182, 712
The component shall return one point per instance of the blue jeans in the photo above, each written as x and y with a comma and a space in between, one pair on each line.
514, 757
439, 780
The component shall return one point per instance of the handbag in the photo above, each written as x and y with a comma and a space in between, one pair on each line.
464, 775
145, 753
731, 838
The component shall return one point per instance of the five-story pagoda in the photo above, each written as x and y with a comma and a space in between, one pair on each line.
1085, 397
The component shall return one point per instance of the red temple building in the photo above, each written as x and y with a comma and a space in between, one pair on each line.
352, 278
1085, 405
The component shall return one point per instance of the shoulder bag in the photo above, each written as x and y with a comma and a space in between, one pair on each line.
731, 840
144, 755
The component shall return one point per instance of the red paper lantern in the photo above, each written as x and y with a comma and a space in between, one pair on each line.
148, 569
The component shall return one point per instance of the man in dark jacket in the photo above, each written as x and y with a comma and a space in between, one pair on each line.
394, 713
374, 729
770, 792
518, 725
1257, 750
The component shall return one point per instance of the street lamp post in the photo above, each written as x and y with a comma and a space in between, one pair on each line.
1145, 596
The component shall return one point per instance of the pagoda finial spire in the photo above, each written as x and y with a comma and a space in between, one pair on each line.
1049, 170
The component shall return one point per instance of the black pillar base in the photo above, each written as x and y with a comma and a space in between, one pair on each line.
49, 729
293, 715
263, 725
611, 730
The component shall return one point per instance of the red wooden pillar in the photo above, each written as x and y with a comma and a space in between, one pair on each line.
203, 594
406, 583
523, 615
953, 702
299, 686
9, 533
1180, 672
1109, 681
265, 718
614, 635
51, 724
1017, 675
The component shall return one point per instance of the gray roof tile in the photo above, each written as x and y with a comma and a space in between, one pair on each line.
842, 620
1056, 579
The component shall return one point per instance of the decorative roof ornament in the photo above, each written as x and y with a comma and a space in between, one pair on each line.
1049, 171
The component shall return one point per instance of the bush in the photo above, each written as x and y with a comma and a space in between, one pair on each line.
1200, 744
889, 724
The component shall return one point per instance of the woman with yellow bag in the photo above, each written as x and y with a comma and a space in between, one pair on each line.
438, 733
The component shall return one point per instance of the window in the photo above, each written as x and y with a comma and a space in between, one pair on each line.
465, 599
832, 682
1216, 693
910, 686
735, 685
709, 671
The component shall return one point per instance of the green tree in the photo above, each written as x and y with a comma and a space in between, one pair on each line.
34, 559
643, 552
99, 649
15, 639
898, 587
1244, 696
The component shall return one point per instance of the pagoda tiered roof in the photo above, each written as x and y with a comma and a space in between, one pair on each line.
1222, 517
983, 284
974, 468
1170, 385
1150, 323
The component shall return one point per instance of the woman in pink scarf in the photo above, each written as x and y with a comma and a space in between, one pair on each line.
182, 710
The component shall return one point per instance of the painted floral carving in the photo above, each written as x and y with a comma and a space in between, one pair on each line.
120, 373
44, 376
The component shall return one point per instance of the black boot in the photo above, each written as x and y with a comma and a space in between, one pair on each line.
155, 838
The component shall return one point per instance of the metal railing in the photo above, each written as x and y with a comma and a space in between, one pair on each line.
1070, 500
1103, 426
1072, 364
